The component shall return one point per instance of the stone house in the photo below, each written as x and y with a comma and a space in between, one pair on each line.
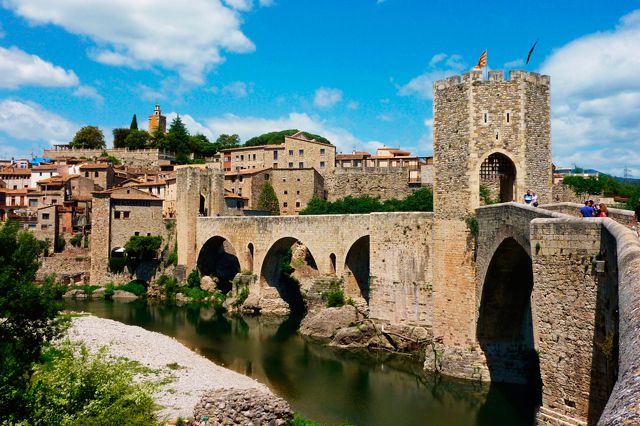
386, 158
16, 177
162, 187
102, 174
117, 215
42, 172
296, 152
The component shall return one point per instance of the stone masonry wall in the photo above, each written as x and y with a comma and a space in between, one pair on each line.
133, 158
401, 272
382, 183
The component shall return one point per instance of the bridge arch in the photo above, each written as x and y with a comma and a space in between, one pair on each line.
277, 268
506, 322
357, 269
218, 257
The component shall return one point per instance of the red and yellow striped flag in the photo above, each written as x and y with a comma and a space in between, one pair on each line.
482, 62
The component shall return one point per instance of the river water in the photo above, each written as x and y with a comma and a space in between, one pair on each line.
327, 385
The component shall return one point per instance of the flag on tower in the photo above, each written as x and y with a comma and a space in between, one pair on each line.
530, 52
482, 62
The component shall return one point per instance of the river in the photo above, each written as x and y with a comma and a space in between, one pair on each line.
324, 384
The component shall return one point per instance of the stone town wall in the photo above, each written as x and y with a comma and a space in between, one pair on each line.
401, 271
67, 269
622, 406
376, 182
133, 158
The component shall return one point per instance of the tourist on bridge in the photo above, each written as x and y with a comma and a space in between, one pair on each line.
528, 197
603, 211
587, 210
534, 199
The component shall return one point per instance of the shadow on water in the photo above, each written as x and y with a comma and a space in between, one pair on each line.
323, 383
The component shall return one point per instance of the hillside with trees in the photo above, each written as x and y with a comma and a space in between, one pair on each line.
274, 138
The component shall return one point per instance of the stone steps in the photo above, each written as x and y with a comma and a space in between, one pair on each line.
549, 417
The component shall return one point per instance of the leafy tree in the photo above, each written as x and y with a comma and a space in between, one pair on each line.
27, 317
582, 186
119, 136
143, 247
273, 138
268, 201
88, 137
228, 140
420, 200
134, 123
137, 139
158, 139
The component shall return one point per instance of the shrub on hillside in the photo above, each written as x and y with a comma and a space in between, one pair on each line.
193, 280
137, 287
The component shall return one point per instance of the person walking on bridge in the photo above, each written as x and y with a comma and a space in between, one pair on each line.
587, 210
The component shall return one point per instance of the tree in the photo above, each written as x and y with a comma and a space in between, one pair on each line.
137, 139
158, 139
27, 317
273, 138
268, 201
119, 136
178, 137
143, 247
134, 123
228, 140
89, 137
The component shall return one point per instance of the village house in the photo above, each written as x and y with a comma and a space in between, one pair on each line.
16, 177
102, 174
386, 158
42, 172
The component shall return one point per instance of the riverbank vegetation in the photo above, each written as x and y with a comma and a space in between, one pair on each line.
419, 201
42, 383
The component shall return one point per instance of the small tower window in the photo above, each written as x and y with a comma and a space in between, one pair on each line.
497, 135
508, 118
485, 117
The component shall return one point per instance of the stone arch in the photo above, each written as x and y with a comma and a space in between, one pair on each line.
272, 274
357, 269
218, 258
498, 177
517, 181
332, 263
505, 327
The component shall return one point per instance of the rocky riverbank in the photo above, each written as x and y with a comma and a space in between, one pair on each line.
189, 380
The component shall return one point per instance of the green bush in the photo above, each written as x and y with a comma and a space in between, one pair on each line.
242, 296
117, 264
143, 247
472, 225
193, 280
168, 285
88, 289
485, 194
420, 200
75, 387
76, 240
172, 258
197, 294
60, 243
334, 297
109, 289
137, 287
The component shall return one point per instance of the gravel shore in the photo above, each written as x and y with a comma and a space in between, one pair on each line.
193, 374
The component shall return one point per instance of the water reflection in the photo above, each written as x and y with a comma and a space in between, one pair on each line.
323, 383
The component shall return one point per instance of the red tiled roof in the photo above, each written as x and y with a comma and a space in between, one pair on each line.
92, 166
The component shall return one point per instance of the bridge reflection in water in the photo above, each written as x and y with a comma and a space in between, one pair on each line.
325, 384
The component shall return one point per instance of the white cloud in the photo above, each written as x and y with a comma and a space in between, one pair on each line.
242, 5
18, 68
327, 97
239, 89
516, 63
29, 121
247, 127
440, 66
89, 92
596, 98
145, 33
385, 117
353, 105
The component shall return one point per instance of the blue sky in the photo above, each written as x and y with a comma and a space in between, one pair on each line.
357, 71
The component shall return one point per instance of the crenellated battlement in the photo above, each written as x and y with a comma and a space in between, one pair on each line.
492, 77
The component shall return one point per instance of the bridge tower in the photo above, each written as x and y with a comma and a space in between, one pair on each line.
493, 135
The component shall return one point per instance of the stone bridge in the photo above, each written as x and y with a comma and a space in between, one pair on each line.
382, 257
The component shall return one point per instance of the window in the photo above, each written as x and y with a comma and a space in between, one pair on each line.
497, 135
266, 176
40, 173
148, 234
240, 179
15, 186
54, 201
297, 203
291, 165
508, 117
301, 165
33, 203
45, 216
242, 158
321, 151
86, 174
284, 179
297, 192
125, 215
254, 157
286, 192
44, 226
322, 164
116, 215
96, 174
301, 152
136, 233
275, 155
290, 152
275, 165
285, 204
298, 180
485, 117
